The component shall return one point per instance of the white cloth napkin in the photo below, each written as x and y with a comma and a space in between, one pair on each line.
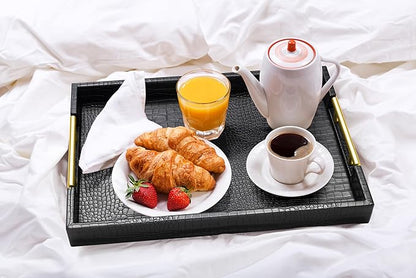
122, 119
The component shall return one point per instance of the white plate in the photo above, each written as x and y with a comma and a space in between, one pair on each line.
258, 170
200, 201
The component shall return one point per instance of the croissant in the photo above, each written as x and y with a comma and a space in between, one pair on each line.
185, 142
168, 169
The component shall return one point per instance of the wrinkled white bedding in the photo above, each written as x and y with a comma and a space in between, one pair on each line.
45, 46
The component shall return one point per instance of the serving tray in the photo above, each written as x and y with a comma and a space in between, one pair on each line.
95, 215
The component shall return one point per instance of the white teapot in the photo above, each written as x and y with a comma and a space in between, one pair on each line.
290, 86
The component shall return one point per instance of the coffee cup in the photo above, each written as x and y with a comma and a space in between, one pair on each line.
291, 153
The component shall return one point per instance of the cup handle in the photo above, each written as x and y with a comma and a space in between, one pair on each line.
332, 79
316, 165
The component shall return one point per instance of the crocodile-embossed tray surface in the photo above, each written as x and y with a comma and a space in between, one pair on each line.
95, 215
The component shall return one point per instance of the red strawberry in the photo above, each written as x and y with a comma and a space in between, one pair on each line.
178, 198
142, 192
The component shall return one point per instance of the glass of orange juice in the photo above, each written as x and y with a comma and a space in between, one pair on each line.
203, 97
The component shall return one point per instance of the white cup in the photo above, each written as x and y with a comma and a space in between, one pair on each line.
292, 169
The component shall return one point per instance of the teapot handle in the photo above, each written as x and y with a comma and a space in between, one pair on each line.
332, 79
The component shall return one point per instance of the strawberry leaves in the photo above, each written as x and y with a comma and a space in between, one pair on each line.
142, 192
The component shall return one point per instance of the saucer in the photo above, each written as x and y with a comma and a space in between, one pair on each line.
258, 170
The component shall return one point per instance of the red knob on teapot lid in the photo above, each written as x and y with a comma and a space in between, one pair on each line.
291, 53
291, 46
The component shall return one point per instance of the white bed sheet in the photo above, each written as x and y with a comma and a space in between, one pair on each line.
45, 46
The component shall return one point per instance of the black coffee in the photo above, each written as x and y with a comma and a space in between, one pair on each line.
290, 145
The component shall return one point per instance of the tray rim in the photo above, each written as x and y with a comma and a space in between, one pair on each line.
73, 227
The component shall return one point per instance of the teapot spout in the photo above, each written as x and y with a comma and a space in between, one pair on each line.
255, 89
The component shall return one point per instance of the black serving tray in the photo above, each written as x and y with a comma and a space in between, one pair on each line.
95, 215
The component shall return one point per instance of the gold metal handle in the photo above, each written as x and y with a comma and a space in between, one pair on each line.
354, 160
70, 181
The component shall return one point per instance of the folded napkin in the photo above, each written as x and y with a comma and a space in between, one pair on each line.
119, 123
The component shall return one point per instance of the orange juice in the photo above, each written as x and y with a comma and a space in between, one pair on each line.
203, 100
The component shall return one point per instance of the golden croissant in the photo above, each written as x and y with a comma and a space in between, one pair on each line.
168, 169
185, 142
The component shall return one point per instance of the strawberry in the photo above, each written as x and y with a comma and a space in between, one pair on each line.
142, 192
178, 198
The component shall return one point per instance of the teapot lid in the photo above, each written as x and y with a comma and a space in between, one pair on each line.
291, 53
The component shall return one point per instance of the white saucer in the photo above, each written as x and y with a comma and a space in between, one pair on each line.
258, 170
